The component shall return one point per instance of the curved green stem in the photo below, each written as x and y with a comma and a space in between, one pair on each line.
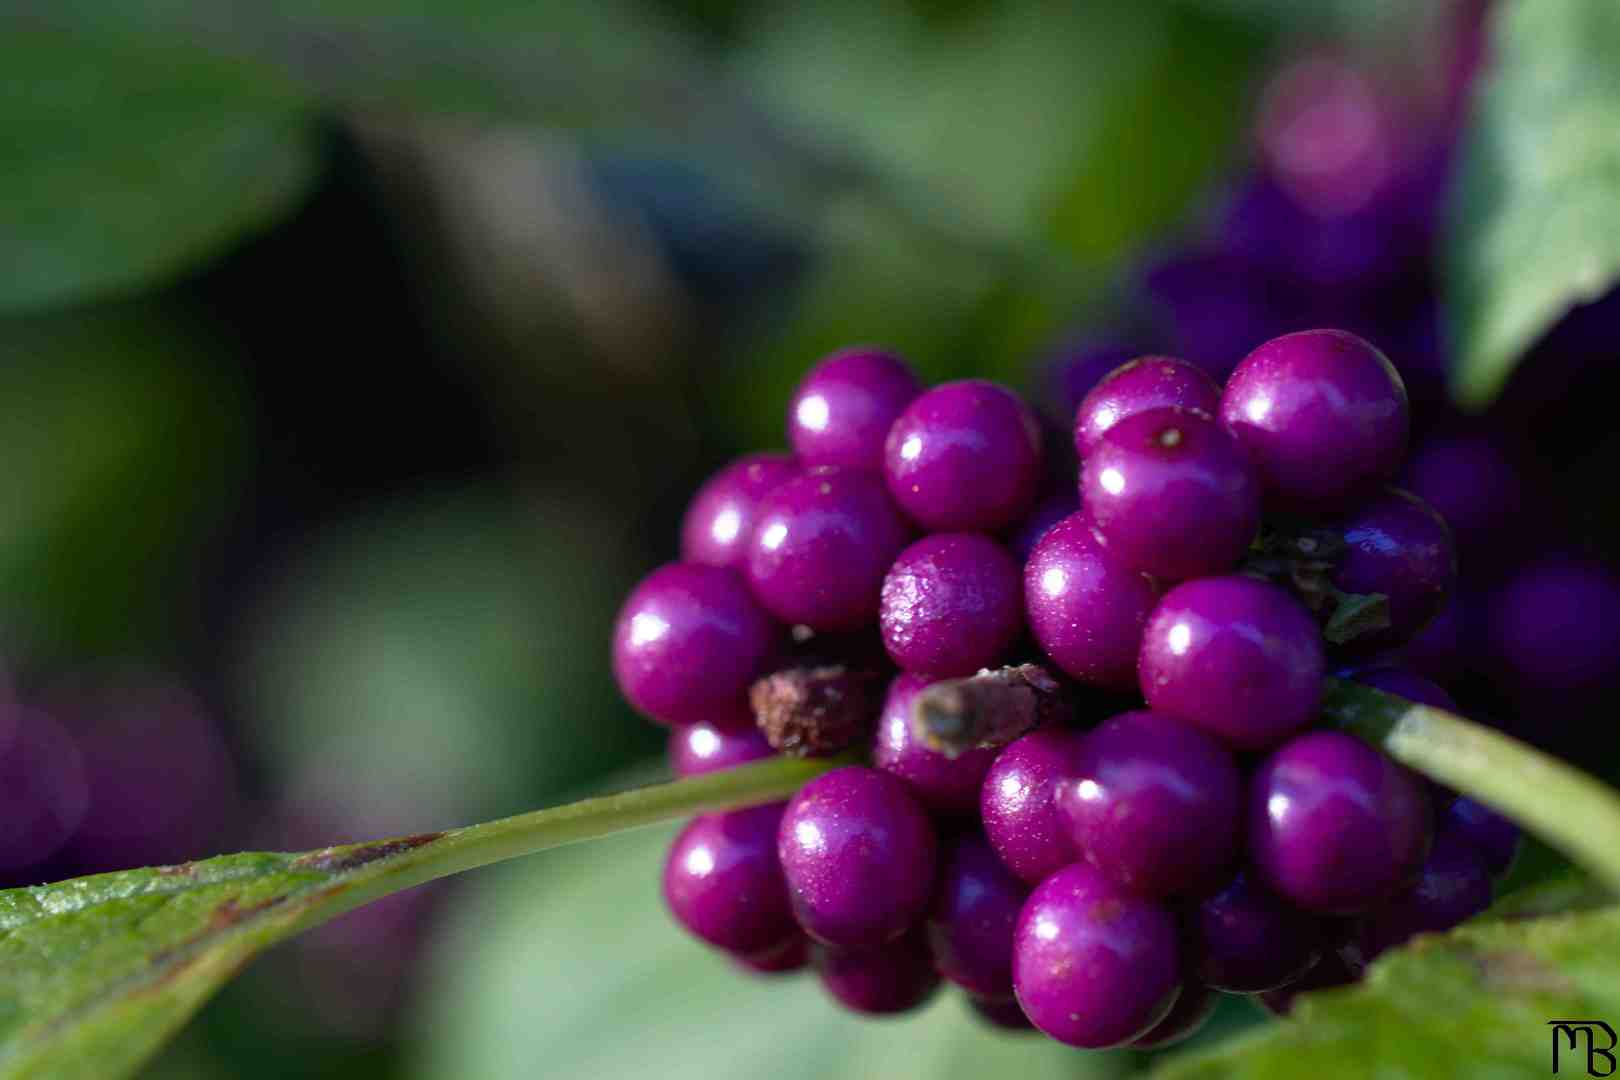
1569, 809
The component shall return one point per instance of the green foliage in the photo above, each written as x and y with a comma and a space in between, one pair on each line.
1535, 227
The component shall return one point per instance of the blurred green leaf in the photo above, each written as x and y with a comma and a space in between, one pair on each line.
1535, 227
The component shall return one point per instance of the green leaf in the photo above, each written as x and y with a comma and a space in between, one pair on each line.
1470, 1004
1535, 227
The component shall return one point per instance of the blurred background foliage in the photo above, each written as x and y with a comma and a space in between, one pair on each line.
355, 357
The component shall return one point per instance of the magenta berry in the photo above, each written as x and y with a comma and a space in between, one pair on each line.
965, 456
842, 411
1398, 546
951, 604
944, 785
1148, 382
703, 748
1247, 940
720, 517
1170, 494
1453, 886
970, 925
1493, 836
882, 980
723, 882
1018, 804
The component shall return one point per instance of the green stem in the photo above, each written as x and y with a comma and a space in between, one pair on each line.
1570, 810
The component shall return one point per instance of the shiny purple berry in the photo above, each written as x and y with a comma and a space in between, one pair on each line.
1041, 520
1323, 415
965, 456
1246, 940
970, 925
1334, 826
1495, 837
790, 956
952, 603
821, 545
721, 515
704, 748
1169, 493
1094, 966
1398, 546
1236, 657
944, 785
689, 641
1085, 610
1453, 886
881, 980
843, 409
724, 884
1148, 382
1194, 1006
858, 853
1018, 804
1154, 804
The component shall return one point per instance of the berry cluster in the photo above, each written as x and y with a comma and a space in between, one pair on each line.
1099, 790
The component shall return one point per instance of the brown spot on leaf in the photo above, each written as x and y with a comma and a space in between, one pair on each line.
1519, 971
336, 860
185, 869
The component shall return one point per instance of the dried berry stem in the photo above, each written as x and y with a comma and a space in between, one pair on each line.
991, 708
813, 711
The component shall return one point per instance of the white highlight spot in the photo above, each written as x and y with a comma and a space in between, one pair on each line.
1258, 409
813, 413
774, 534
1089, 791
808, 835
646, 628
1112, 481
700, 862
1180, 638
1054, 581
911, 448
727, 524
1277, 807
704, 741
1046, 929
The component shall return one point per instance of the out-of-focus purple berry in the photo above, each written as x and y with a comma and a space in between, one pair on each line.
44, 795
882, 980
975, 909
1328, 972
1047, 513
1328, 134
1018, 803
951, 604
1399, 547
945, 785
843, 409
1001, 1012
703, 748
790, 956
1493, 836
1085, 609
720, 516
1247, 940
1555, 627
1194, 1006
1453, 886
1474, 485
1218, 305
1074, 369
723, 882
1148, 382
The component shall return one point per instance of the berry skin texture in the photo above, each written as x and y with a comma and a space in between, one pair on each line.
1453, 886
951, 604
820, 547
1493, 836
1018, 807
944, 785
688, 642
1154, 804
720, 516
1323, 415
704, 748
880, 981
844, 408
1248, 941
1170, 494
964, 457
1084, 609
1335, 827
859, 856
1194, 1006
1398, 546
975, 910
723, 882
1094, 966
1236, 657
1148, 382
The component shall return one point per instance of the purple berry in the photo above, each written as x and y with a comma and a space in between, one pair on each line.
1248, 941
944, 785
1555, 626
975, 909
724, 884
1403, 683
1085, 610
881, 980
820, 547
1075, 368
1487, 832
1094, 965
1148, 382
1194, 1006
43, 793
1018, 807
1334, 826
689, 641
1216, 305
1327, 973
965, 456
704, 748
1398, 546
858, 853
843, 409
1041, 520
1154, 804
1322, 414
1169, 493
790, 956
1237, 657
951, 604
1001, 1012
721, 515
1473, 484
1453, 886
1328, 134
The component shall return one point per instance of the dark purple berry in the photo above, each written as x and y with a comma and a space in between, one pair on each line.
1154, 804
1323, 415
721, 515
858, 853
1216, 305
1453, 886
1555, 626
1194, 1006
820, 547
790, 956
1236, 657
945, 785
1403, 683
952, 603
1074, 369
843, 409
1246, 940
1086, 610
965, 456
1169, 493
1018, 807
724, 884
971, 922
1334, 826
43, 793
1398, 546
1473, 484
1041, 520
1495, 837
881, 980
1148, 382
1329, 972
1094, 966
1001, 1012
704, 748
